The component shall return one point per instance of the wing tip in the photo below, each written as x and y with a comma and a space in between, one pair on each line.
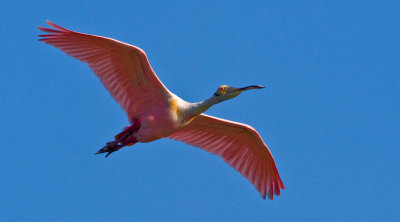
56, 28
264, 196
54, 31
272, 189
281, 186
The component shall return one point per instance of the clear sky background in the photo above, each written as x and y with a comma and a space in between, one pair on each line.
329, 112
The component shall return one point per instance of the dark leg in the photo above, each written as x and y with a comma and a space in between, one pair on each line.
125, 138
110, 147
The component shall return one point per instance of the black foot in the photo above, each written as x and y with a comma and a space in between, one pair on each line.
109, 148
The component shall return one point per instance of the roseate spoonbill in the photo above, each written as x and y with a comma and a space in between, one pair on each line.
154, 112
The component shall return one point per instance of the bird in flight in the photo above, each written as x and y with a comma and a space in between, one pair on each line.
154, 112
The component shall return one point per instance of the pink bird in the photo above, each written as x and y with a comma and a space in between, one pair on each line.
154, 112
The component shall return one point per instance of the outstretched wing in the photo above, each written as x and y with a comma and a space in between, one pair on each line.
122, 68
239, 145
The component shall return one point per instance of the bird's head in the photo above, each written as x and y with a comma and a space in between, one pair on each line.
225, 92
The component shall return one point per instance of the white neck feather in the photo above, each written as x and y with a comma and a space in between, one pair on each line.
191, 110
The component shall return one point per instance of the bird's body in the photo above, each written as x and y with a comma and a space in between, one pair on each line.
159, 123
154, 112
167, 118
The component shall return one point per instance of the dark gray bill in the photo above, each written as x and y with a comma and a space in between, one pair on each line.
252, 87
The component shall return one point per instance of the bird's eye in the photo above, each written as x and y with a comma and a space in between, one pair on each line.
222, 89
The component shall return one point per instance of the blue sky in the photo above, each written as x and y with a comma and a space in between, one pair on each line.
329, 112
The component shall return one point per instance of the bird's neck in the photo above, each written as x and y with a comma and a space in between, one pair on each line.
195, 109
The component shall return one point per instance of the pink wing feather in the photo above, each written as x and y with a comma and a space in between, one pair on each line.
239, 145
122, 68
